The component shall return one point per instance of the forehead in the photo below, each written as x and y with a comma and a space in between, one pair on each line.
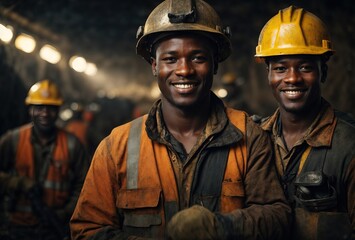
191, 39
295, 58
42, 106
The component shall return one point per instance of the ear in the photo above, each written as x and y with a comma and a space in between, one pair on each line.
154, 66
30, 111
268, 73
267, 65
324, 72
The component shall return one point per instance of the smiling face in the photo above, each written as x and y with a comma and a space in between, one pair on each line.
184, 66
295, 82
44, 117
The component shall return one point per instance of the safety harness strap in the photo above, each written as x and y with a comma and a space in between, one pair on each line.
303, 158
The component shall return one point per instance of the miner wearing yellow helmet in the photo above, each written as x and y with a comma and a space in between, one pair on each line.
42, 169
191, 168
314, 144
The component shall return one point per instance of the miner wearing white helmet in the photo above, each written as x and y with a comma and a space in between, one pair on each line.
191, 168
314, 144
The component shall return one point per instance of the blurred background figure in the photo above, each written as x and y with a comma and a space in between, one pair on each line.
42, 169
79, 122
63, 26
105, 115
231, 91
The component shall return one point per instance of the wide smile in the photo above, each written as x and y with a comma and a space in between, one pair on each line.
293, 93
44, 121
184, 87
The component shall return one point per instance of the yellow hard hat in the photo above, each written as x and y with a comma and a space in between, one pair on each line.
173, 16
293, 31
44, 93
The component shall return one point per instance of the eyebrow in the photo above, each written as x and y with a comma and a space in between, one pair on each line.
300, 61
197, 51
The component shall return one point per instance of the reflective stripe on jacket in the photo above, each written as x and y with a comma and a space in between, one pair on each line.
55, 184
149, 180
147, 193
111, 206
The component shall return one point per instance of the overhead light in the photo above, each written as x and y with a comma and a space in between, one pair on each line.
50, 54
91, 69
66, 114
25, 43
222, 93
78, 63
6, 33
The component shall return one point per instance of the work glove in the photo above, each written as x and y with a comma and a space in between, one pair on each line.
19, 184
195, 222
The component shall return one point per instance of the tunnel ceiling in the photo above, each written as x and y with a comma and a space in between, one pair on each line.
98, 29
107, 28
103, 31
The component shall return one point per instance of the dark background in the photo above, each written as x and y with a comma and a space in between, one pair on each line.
104, 33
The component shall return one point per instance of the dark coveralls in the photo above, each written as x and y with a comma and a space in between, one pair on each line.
332, 141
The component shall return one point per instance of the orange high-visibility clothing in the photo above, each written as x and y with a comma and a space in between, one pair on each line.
136, 198
56, 185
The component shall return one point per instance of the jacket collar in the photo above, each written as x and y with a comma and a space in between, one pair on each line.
217, 124
318, 134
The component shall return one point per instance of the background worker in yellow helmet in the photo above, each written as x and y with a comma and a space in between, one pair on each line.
42, 169
191, 168
313, 143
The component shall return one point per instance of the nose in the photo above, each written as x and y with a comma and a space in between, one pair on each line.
293, 76
44, 110
183, 68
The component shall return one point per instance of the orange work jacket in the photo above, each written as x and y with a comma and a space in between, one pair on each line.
55, 185
143, 184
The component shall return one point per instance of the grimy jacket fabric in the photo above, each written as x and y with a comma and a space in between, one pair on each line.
241, 183
63, 172
335, 136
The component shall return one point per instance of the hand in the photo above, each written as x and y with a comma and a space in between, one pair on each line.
18, 184
27, 185
195, 222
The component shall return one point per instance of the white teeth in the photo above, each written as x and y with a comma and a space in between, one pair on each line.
184, 86
292, 92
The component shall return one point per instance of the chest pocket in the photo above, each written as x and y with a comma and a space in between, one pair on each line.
140, 207
232, 196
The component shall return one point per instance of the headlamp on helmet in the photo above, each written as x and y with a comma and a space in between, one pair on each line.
176, 16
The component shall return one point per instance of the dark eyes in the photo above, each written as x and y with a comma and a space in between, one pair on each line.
307, 68
199, 58
169, 59
195, 58
279, 69
302, 68
41, 108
